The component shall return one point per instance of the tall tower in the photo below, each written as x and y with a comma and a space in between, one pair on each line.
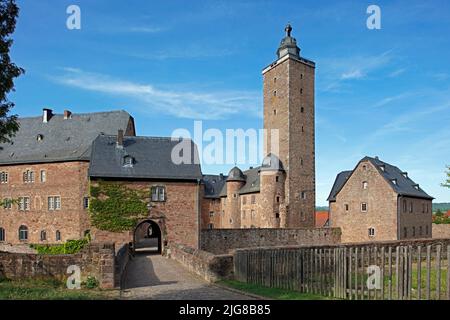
289, 107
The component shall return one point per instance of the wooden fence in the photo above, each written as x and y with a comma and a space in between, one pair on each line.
398, 270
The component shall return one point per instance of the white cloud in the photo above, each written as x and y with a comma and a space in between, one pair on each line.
397, 72
179, 103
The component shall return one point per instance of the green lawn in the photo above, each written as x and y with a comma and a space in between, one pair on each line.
272, 293
48, 290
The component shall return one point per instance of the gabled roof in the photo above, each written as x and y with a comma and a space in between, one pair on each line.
403, 186
60, 139
151, 158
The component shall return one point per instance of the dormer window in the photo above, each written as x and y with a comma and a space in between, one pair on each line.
394, 181
128, 161
405, 174
383, 167
416, 186
40, 137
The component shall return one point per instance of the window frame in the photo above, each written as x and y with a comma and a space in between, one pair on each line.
2, 234
158, 189
43, 176
4, 177
23, 229
364, 204
58, 235
371, 232
24, 203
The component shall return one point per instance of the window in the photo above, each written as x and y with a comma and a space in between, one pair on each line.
128, 161
3, 177
211, 214
43, 235
383, 167
231, 221
23, 233
43, 176
7, 203
275, 80
413, 231
275, 112
303, 129
58, 235
405, 232
302, 109
426, 230
364, 167
371, 232
253, 199
301, 91
420, 231
301, 161
28, 176
87, 233
54, 203
210, 226
244, 200
394, 181
277, 215
40, 137
277, 178
158, 194
2, 234
278, 199
275, 93
86, 202
411, 207
423, 207
346, 207
24, 203
365, 184
301, 75
303, 195
405, 206
363, 207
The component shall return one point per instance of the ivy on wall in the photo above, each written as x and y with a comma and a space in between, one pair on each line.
70, 247
115, 207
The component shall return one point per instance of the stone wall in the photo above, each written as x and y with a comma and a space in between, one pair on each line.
96, 260
209, 266
220, 241
441, 231
121, 263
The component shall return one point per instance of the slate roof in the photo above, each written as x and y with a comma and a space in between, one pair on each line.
152, 159
252, 181
62, 139
214, 185
404, 186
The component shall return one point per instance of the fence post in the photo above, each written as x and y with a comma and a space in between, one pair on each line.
428, 271
419, 272
438, 272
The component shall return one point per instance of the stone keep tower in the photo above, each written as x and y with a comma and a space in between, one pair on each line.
289, 107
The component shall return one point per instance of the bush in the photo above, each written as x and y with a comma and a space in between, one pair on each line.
91, 282
70, 247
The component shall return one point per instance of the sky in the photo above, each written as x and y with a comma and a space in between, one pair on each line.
382, 93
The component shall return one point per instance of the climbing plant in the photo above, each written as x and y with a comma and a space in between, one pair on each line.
115, 207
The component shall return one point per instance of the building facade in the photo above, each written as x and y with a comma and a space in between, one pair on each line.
378, 202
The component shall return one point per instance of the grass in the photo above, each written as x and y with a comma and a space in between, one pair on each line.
48, 289
272, 293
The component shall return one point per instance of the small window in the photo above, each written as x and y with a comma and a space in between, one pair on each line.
301, 75
86, 202
420, 231
275, 93
23, 233
413, 231
210, 226
231, 221
158, 194
371, 232
405, 206
277, 178
303, 195
211, 214
40, 137
3, 177
346, 207
364, 167
423, 207
43, 176
383, 167
58, 235
277, 215
394, 181
24, 203
2, 234
301, 91
301, 161
363, 207
303, 129
278, 199
54, 203
365, 184
405, 232
411, 207
275, 112
7, 203
28, 176
253, 199
275, 80
128, 161
43, 235
302, 109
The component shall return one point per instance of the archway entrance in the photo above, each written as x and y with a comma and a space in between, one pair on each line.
147, 237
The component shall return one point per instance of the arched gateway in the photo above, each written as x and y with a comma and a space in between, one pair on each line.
147, 237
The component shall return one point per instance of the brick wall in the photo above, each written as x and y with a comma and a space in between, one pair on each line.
210, 267
67, 180
95, 260
220, 241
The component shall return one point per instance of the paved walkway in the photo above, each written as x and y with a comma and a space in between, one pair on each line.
157, 277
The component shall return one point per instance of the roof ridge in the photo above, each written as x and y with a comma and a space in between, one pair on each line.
77, 114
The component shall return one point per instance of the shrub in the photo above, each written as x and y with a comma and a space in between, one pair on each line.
91, 282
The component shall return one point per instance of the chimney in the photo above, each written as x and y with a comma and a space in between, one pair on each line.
120, 138
67, 114
47, 115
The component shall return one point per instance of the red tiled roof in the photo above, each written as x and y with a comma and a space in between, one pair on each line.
321, 218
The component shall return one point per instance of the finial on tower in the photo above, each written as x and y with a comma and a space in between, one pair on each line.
288, 30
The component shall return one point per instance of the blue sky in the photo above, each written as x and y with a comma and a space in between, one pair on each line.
379, 92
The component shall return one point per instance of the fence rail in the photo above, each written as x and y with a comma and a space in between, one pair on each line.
397, 271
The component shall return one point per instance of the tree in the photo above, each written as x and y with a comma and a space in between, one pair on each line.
8, 70
447, 182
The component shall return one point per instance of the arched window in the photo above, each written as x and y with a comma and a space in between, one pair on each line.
365, 184
43, 235
23, 233
2, 234
58, 235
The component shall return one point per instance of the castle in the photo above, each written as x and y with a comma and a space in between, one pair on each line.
55, 158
